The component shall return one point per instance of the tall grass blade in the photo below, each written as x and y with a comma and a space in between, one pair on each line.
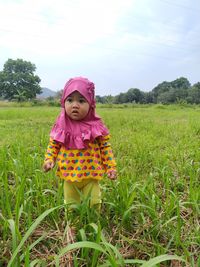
81, 244
14, 238
30, 230
152, 262
33, 245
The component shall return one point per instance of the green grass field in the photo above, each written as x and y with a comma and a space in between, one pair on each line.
150, 216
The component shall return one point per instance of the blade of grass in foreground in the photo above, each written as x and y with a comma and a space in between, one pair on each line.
150, 263
33, 245
161, 258
107, 263
30, 230
81, 244
14, 239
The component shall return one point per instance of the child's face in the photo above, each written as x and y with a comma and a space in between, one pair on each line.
76, 106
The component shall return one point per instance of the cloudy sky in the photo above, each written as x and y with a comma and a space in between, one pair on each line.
118, 44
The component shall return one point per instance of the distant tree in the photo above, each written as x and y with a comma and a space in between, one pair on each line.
99, 99
181, 93
160, 89
147, 97
121, 98
194, 94
172, 96
20, 96
197, 85
166, 97
181, 83
171, 92
134, 95
17, 80
109, 99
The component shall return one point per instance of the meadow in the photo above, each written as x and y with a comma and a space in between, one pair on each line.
149, 216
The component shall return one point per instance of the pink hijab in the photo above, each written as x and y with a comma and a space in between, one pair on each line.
76, 134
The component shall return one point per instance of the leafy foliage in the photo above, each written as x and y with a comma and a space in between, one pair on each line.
175, 91
17, 80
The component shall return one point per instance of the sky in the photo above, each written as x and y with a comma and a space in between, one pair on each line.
117, 44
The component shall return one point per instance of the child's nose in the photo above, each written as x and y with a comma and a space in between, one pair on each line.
75, 104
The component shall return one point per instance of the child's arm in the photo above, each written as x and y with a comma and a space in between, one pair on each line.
51, 155
108, 157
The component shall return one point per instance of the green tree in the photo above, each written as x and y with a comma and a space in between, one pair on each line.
194, 94
20, 96
171, 92
173, 96
100, 99
17, 79
181, 83
148, 97
109, 99
121, 98
161, 89
197, 85
134, 95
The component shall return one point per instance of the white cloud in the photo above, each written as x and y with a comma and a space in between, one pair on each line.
115, 42
62, 24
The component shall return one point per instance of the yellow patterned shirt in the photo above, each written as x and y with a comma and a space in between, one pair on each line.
79, 164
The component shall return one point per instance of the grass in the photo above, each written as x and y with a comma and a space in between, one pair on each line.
150, 215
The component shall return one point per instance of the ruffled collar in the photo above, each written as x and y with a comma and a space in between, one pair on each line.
77, 134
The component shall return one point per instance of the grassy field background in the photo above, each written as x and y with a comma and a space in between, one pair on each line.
149, 215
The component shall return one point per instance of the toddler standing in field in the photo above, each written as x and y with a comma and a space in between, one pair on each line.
79, 143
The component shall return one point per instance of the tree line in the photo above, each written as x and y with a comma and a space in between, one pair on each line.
18, 82
175, 91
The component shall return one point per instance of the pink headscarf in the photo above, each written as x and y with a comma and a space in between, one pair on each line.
76, 134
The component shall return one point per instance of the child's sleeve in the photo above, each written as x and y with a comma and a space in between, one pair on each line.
52, 150
107, 153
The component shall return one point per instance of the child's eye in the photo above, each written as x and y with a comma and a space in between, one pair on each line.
82, 100
69, 99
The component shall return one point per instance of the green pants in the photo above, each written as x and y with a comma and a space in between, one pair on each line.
73, 191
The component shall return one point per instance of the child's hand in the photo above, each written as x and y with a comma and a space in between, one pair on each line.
48, 165
112, 175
